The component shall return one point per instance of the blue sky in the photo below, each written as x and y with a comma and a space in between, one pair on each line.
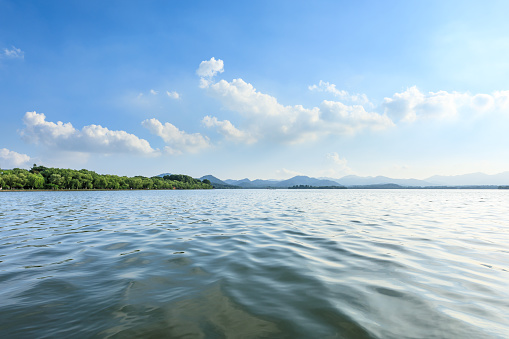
266, 89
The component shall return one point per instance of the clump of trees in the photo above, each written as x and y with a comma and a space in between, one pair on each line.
40, 177
316, 187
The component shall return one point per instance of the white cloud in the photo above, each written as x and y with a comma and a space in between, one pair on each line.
339, 166
227, 129
267, 118
173, 95
38, 130
92, 138
178, 141
148, 100
334, 157
412, 104
441, 104
482, 102
501, 99
208, 69
14, 53
344, 119
10, 159
402, 105
341, 94
242, 97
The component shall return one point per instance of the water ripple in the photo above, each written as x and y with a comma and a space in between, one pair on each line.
255, 263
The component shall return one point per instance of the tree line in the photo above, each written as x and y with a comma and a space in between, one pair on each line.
40, 177
316, 187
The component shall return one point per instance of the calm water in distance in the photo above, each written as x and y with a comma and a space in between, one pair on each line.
255, 264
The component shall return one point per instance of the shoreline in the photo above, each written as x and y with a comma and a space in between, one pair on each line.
105, 190
259, 188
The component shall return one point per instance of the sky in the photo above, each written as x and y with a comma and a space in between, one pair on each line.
260, 89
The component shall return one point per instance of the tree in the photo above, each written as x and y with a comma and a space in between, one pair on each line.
147, 183
135, 183
37, 169
59, 178
100, 182
55, 180
35, 180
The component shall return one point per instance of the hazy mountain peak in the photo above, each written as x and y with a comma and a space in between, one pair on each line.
470, 179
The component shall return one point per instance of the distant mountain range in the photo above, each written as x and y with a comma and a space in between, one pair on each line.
473, 179
258, 183
354, 180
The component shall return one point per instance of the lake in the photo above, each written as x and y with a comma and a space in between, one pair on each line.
255, 264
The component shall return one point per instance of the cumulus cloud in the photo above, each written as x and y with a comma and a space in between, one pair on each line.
341, 94
412, 104
482, 102
402, 105
177, 141
244, 98
267, 118
173, 95
263, 117
339, 165
12, 159
336, 159
14, 53
347, 119
92, 138
501, 99
227, 129
208, 69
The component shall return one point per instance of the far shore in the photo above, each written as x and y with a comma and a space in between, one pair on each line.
262, 188
100, 189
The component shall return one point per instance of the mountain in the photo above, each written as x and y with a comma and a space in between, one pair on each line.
471, 179
258, 183
163, 174
213, 179
354, 180
304, 180
236, 182
298, 180
217, 183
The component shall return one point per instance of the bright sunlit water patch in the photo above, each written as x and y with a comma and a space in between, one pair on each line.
255, 263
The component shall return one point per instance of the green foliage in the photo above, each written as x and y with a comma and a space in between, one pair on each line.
35, 180
40, 177
182, 178
316, 187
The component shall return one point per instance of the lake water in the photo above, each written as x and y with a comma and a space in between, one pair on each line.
255, 264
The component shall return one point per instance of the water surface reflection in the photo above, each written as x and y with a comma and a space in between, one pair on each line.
255, 263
